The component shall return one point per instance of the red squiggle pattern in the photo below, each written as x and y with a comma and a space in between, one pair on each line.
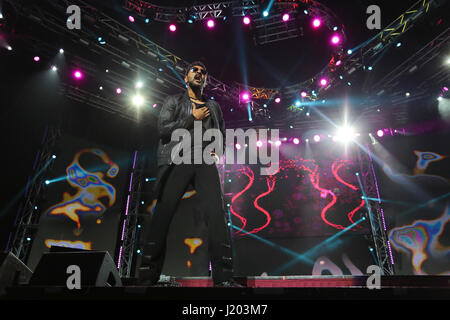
251, 176
335, 170
270, 186
312, 168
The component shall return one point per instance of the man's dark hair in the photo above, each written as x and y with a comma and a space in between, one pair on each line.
193, 64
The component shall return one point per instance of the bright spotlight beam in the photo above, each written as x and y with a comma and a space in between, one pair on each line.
138, 100
309, 255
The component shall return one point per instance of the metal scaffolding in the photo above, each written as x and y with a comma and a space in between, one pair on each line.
375, 211
27, 221
129, 238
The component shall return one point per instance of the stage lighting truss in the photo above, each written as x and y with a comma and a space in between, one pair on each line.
119, 51
434, 49
362, 55
129, 241
376, 216
28, 219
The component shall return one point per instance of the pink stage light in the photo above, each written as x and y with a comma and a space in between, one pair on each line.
323, 82
338, 63
277, 100
78, 74
296, 141
380, 133
131, 18
238, 146
119, 91
155, 105
210, 23
317, 23
173, 28
303, 94
37, 59
286, 17
335, 39
316, 138
246, 20
278, 143
259, 143
245, 96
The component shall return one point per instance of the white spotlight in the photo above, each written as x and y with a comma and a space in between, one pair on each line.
1, 15
345, 134
54, 68
9, 48
139, 85
138, 100
61, 51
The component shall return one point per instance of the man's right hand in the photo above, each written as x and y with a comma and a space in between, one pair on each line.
199, 113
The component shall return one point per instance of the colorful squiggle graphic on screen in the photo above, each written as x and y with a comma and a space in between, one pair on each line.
424, 159
312, 169
68, 244
420, 240
91, 188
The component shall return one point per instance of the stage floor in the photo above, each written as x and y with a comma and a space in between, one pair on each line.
257, 288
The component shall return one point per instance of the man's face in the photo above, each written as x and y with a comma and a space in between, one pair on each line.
196, 77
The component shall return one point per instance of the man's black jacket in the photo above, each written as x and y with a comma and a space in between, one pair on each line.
176, 113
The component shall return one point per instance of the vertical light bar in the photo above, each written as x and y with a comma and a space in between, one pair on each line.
390, 252
126, 214
120, 257
126, 210
131, 182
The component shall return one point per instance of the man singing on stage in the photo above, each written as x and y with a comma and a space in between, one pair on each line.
181, 111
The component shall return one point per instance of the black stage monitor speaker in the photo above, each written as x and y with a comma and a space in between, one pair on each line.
95, 269
12, 271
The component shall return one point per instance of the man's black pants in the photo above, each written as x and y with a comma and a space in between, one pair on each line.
207, 185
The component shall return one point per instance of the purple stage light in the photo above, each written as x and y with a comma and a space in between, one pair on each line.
335, 39
37, 59
259, 143
303, 94
338, 63
278, 143
210, 23
277, 100
445, 89
173, 27
155, 105
296, 141
316, 138
317, 23
78, 74
119, 91
246, 20
131, 18
245, 96
286, 17
380, 133
323, 82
